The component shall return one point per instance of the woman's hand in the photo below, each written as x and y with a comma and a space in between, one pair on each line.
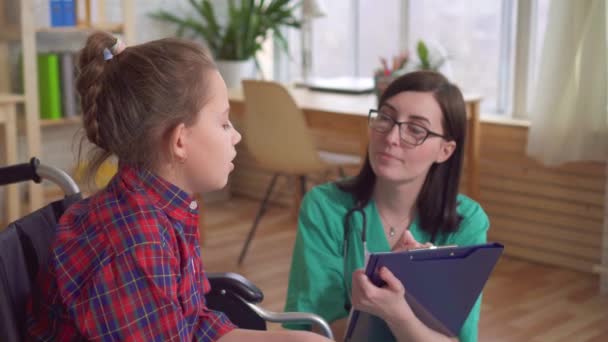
387, 302
408, 242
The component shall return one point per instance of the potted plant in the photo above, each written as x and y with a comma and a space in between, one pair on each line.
430, 59
235, 43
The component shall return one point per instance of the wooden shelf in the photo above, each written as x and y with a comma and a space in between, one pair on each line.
109, 27
11, 98
74, 120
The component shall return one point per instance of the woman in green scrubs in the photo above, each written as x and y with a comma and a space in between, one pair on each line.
407, 190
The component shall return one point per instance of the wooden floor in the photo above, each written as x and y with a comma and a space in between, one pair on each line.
522, 301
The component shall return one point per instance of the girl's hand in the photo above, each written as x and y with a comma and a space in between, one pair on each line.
387, 302
408, 242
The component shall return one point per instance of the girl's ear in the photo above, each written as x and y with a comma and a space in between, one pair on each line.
446, 150
177, 143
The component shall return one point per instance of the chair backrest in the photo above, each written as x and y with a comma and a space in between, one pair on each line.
24, 249
276, 132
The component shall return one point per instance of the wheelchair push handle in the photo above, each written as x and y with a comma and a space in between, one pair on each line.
20, 173
35, 171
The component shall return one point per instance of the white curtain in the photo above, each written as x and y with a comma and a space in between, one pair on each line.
569, 110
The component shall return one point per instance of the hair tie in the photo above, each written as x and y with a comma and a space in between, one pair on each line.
117, 48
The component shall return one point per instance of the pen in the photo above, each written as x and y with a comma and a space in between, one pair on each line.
439, 247
432, 247
385, 66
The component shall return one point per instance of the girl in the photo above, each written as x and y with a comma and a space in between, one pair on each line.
125, 263
406, 193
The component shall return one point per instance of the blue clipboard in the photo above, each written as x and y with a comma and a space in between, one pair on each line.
441, 287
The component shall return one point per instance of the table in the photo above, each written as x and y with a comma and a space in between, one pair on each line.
345, 115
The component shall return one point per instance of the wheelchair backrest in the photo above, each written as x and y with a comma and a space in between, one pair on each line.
24, 249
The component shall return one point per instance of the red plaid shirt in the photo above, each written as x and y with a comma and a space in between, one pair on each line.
125, 265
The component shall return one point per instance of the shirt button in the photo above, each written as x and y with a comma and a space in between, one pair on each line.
193, 205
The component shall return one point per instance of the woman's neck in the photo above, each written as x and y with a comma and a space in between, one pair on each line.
396, 199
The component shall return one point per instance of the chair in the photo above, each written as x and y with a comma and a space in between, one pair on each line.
277, 135
24, 249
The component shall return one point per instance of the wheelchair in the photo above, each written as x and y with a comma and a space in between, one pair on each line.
24, 250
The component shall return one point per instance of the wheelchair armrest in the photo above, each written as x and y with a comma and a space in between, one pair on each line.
237, 284
294, 317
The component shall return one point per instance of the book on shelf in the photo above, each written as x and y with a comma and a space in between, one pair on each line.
56, 85
68, 90
49, 87
63, 12
69, 12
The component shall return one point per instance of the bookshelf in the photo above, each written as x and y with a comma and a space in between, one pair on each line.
109, 27
8, 122
18, 25
22, 35
74, 120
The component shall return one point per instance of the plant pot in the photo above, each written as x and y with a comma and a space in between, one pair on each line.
234, 71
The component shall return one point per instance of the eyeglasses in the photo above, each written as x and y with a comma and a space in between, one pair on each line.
409, 132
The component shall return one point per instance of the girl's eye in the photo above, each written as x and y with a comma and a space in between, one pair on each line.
227, 126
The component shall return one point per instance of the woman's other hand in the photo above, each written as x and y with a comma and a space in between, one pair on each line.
387, 302
408, 242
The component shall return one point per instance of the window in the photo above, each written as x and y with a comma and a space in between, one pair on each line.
470, 33
332, 40
331, 37
477, 35
379, 34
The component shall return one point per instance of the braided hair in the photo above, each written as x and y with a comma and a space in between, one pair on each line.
131, 100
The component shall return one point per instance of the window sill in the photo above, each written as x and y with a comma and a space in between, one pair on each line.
503, 120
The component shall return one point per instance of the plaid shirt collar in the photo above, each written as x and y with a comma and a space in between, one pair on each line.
174, 201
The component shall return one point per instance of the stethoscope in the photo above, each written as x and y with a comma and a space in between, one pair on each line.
358, 208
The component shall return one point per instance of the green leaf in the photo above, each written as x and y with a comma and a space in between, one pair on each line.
423, 55
208, 14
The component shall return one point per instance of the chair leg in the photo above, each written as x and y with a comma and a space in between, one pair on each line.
302, 181
258, 217
300, 191
326, 175
341, 172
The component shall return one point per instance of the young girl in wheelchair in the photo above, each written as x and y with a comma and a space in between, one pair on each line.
126, 263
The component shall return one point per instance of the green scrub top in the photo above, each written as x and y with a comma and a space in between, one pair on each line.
317, 280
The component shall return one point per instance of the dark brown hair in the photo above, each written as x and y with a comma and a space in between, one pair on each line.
131, 102
436, 203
